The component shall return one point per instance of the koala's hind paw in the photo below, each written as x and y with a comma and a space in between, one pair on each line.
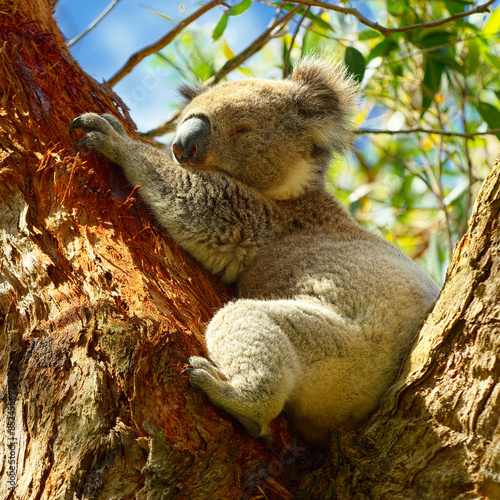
199, 363
205, 376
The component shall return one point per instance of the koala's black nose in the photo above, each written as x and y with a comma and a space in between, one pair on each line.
191, 140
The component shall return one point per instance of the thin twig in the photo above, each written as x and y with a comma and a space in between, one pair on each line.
238, 60
254, 47
470, 175
93, 24
138, 56
439, 180
466, 135
286, 66
389, 31
162, 128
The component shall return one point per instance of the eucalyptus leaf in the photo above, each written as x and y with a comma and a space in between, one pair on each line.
239, 8
432, 81
490, 114
221, 26
355, 63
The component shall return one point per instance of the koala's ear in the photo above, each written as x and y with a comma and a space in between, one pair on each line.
324, 89
189, 92
326, 96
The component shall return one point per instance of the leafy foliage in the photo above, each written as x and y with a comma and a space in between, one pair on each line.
439, 82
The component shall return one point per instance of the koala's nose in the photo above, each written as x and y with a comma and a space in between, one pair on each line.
190, 143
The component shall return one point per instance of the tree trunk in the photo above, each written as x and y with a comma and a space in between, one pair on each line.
436, 434
99, 309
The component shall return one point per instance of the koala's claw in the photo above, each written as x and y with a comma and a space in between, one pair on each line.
117, 126
76, 124
203, 364
103, 134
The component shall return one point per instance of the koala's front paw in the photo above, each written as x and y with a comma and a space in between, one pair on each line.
103, 134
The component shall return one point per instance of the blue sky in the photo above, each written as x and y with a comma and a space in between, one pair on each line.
148, 91
129, 27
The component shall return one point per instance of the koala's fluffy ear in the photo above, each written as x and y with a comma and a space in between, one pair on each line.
189, 93
327, 96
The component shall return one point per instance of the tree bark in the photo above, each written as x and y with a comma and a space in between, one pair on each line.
99, 309
436, 434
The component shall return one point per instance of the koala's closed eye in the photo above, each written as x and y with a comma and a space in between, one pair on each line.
239, 131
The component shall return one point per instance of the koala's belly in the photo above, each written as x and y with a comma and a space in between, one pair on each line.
340, 392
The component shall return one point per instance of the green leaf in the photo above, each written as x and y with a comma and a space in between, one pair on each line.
368, 35
221, 26
312, 17
457, 6
492, 27
319, 21
448, 61
156, 13
489, 114
383, 48
472, 56
239, 8
397, 8
491, 59
432, 81
355, 63
436, 39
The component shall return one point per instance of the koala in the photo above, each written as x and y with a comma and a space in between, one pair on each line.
326, 310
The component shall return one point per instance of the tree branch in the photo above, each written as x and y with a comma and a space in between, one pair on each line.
138, 56
231, 64
389, 31
468, 135
286, 66
93, 24
254, 47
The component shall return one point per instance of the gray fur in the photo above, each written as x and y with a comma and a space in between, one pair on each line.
327, 310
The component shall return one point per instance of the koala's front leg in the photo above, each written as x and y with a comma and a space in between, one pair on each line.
220, 221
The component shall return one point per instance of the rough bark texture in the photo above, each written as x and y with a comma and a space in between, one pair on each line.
436, 434
99, 309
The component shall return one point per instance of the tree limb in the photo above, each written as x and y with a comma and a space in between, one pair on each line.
231, 64
467, 135
138, 56
93, 24
389, 31
254, 47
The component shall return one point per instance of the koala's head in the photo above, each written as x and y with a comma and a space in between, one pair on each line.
277, 136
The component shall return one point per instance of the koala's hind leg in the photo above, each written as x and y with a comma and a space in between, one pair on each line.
256, 367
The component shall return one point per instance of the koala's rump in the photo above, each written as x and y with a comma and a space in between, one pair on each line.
372, 301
